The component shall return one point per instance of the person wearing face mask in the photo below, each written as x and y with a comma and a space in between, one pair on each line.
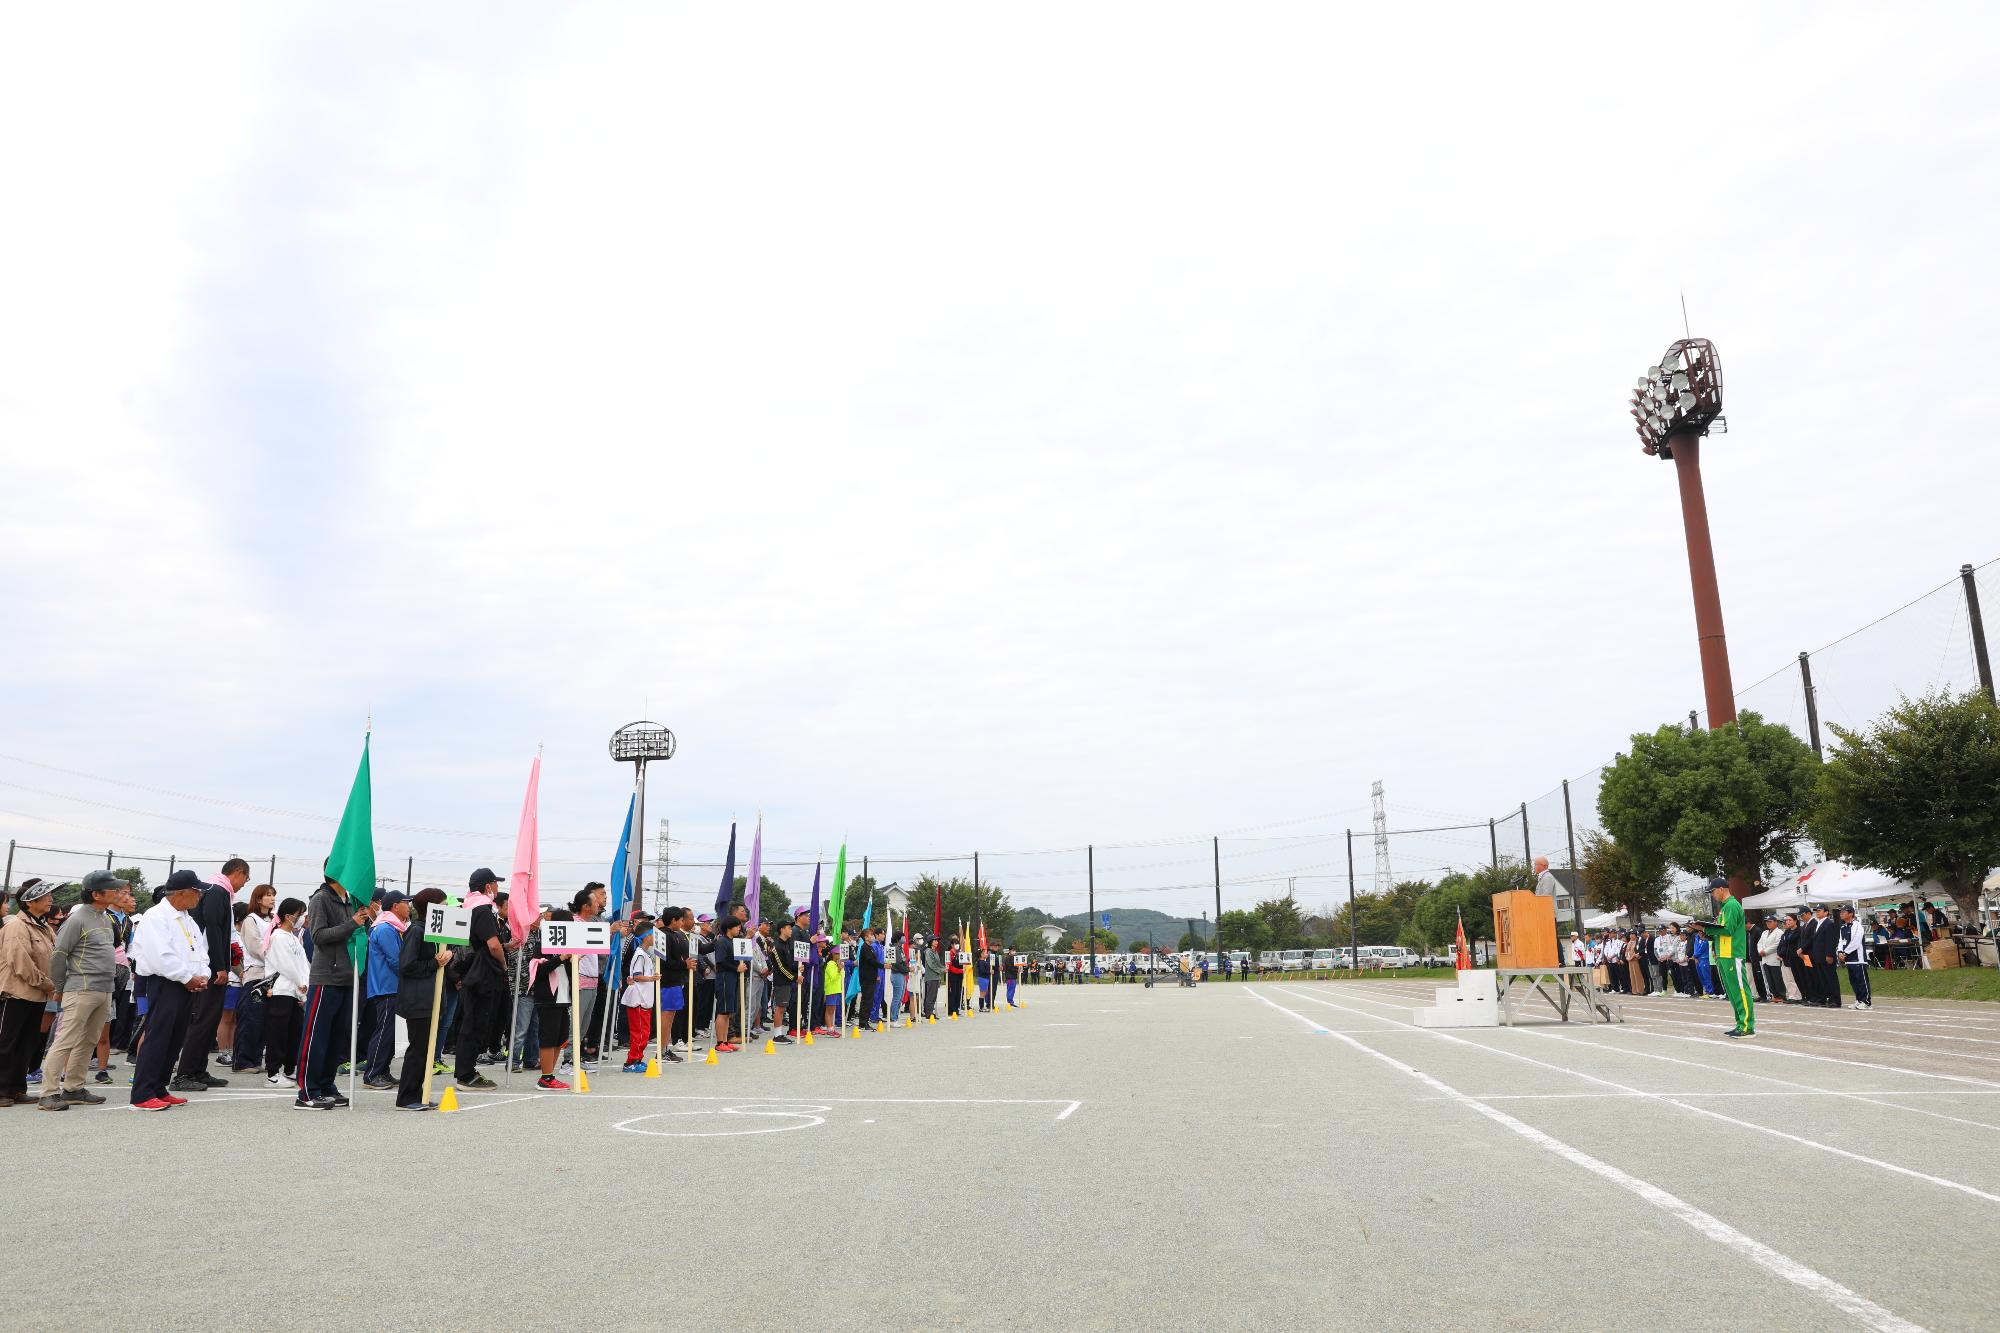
26, 942
286, 964
251, 1003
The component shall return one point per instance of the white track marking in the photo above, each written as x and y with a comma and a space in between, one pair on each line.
1768, 1078
1646, 1030
1842, 1298
1775, 1133
1905, 1047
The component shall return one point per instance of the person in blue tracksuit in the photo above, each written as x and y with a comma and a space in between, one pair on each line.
1698, 955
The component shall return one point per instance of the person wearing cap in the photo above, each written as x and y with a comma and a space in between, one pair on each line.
26, 942
170, 952
385, 956
639, 997
482, 991
1854, 956
1731, 953
704, 974
82, 966
1826, 955
332, 917
212, 916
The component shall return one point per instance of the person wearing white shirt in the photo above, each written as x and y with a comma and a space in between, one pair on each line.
1854, 953
291, 980
173, 954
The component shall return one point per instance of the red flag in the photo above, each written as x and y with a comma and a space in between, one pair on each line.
937, 914
1462, 955
906, 937
982, 937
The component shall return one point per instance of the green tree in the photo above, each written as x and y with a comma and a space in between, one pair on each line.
1245, 930
1192, 940
1917, 794
961, 903
1715, 803
1471, 893
1615, 878
1380, 918
1282, 919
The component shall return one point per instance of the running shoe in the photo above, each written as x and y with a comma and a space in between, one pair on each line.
634, 1068
153, 1104
478, 1083
172, 1100
550, 1083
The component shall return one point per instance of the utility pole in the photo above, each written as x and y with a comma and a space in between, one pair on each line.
1812, 703
1527, 852
1090, 924
1353, 937
1218, 895
1493, 840
1979, 657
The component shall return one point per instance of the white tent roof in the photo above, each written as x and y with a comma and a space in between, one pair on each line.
1600, 920
1834, 882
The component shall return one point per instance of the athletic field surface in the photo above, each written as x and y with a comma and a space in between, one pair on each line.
1242, 1155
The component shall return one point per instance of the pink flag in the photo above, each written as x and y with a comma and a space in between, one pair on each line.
524, 890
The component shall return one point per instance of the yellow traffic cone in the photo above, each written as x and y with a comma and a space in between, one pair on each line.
653, 1067
448, 1102
582, 1081
711, 1060
770, 1047
808, 1038
933, 1020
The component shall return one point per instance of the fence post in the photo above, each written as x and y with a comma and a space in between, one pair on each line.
1527, 851
7, 886
1979, 657
1812, 703
1575, 880
1218, 900
409, 874
273, 880
1493, 838
107, 859
171, 862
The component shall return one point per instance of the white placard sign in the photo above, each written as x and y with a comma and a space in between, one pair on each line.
445, 924
745, 950
576, 937
1020, 960
801, 952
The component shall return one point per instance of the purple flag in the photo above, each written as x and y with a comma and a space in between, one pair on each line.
812, 926
753, 888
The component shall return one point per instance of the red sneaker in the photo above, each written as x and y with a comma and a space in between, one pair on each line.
726, 1046
152, 1104
172, 1100
549, 1084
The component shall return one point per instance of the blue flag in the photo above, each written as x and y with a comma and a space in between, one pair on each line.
728, 889
621, 875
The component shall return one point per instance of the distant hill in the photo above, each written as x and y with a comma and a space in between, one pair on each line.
1131, 925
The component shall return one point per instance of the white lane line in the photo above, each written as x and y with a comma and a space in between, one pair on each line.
1646, 1030
1697, 1092
993, 1048
1842, 1298
1775, 1133
1768, 1078
1906, 1048
1069, 1104
1853, 1041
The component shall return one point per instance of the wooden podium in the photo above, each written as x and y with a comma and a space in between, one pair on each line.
1524, 929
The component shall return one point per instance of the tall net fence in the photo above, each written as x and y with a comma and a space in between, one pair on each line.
1928, 643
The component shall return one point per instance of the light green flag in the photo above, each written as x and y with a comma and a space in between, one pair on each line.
352, 861
836, 906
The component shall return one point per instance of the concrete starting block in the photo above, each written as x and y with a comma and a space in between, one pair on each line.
1473, 1003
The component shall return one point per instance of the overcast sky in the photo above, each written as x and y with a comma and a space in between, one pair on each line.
1002, 429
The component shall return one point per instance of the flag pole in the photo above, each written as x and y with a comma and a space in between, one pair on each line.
659, 997
687, 995
430, 1041
354, 1033
513, 1020
575, 1026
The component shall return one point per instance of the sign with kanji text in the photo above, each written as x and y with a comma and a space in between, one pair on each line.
445, 924
801, 952
576, 937
745, 950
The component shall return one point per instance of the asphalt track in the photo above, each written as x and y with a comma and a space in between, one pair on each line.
1244, 1156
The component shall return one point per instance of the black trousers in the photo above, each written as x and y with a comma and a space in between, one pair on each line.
281, 1035
1828, 967
20, 1023
1773, 988
1757, 979
124, 1018
378, 1037
329, 1013
954, 995
416, 1058
1857, 977
478, 1020
203, 1019
249, 1052
169, 1006
930, 995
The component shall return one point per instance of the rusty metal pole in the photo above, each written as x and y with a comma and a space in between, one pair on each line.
1717, 691
1812, 703
1967, 577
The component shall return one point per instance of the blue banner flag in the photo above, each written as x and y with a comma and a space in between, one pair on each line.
621, 874
728, 889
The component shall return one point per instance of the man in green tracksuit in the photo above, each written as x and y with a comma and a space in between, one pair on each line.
1731, 955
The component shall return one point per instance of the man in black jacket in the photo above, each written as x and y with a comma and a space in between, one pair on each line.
416, 988
1826, 955
868, 958
482, 990
211, 913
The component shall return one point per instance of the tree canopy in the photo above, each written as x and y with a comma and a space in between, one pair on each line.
1615, 878
1728, 802
1917, 794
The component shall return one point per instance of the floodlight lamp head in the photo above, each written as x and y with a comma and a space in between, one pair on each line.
1682, 395
640, 742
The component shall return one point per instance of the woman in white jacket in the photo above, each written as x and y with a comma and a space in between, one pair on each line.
1767, 958
285, 964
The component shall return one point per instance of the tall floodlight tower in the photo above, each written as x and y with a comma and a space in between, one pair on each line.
637, 744
1384, 880
1676, 404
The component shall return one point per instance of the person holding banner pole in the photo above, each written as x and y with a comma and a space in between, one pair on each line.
420, 995
731, 981
640, 998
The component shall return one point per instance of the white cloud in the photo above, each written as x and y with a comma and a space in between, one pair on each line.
1020, 429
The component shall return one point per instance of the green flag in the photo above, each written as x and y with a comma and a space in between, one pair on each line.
352, 861
836, 906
